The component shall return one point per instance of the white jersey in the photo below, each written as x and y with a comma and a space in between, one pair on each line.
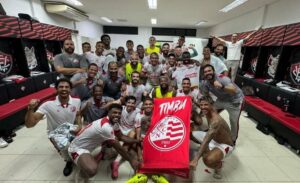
94, 58
127, 122
192, 72
153, 73
141, 121
95, 134
195, 94
137, 92
234, 50
58, 114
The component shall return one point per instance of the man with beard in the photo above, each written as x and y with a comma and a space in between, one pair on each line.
135, 88
171, 64
95, 107
69, 63
84, 82
216, 143
134, 65
188, 70
112, 82
219, 52
61, 110
107, 49
229, 96
100, 132
165, 51
218, 65
163, 90
153, 71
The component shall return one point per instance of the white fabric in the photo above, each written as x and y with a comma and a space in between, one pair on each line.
127, 122
234, 50
225, 148
191, 71
56, 114
195, 94
94, 135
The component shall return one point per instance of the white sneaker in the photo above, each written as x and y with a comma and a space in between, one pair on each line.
3, 143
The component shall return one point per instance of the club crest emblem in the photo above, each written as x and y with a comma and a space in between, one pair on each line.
6, 63
167, 134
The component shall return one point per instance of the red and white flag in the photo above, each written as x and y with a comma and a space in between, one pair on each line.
166, 145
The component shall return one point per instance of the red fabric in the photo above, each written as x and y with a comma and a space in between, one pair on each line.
166, 144
21, 103
287, 119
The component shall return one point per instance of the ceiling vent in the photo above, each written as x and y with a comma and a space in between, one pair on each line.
65, 10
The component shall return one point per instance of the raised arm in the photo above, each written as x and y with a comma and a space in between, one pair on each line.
31, 117
220, 39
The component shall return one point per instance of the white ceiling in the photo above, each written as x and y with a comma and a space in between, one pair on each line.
170, 13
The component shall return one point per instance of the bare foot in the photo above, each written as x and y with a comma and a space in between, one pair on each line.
193, 164
217, 174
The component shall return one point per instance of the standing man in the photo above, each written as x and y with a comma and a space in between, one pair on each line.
69, 63
102, 131
229, 96
86, 47
141, 52
165, 51
152, 48
234, 52
216, 143
107, 48
61, 110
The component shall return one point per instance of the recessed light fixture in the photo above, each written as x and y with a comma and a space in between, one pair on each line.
75, 2
232, 5
153, 21
106, 19
152, 4
201, 22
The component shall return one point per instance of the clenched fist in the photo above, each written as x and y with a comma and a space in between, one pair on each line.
33, 104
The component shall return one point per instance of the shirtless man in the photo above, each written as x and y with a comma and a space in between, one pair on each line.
216, 143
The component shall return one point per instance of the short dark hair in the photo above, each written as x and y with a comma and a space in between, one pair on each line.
178, 47
129, 41
92, 64
208, 65
187, 54
63, 80
220, 45
171, 54
98, 42
139, 46
188, 79
206, 98
104, 35
182, 37
130, 97
96, 86
148, 98
165, 44
154, 53
85, 44
115, 106
135, 72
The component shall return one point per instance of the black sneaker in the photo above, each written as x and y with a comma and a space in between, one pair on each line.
8, 139
68, 168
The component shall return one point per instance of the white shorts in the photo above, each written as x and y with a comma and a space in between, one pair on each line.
125, 131
75, 153
225, 148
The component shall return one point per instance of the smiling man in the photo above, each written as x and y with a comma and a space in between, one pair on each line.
61, 110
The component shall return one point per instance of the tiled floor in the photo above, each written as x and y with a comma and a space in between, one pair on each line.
257, 158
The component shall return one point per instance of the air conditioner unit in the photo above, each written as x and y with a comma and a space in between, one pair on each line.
65, 10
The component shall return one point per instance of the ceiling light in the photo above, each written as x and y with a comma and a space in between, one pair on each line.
152, 4
232, 5
75, 2
201, 22
153, 21
106, 19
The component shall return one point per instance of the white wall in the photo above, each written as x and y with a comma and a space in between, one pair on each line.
280, 12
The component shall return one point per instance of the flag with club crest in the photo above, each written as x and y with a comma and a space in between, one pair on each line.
166, 144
